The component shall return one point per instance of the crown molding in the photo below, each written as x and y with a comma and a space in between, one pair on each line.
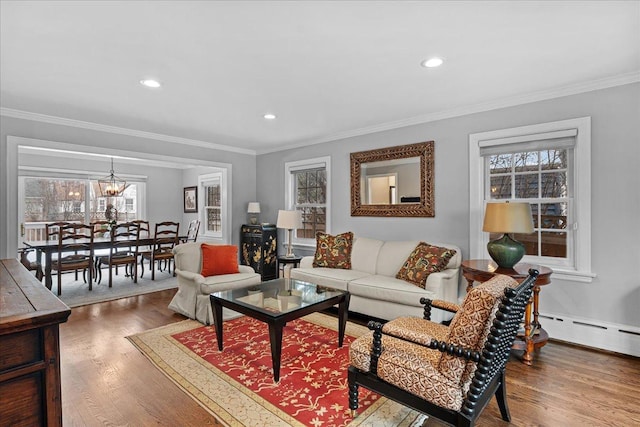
574, 89
26, 115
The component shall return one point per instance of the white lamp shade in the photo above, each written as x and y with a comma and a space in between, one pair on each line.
289, 219
508, 218
254, 207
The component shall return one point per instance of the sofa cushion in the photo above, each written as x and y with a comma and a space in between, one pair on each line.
333, 251
424, 260
388, 289
219, 259
330, 277
392, 256
365, 254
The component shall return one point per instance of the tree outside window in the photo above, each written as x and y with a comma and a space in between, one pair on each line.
540, 178
311, 199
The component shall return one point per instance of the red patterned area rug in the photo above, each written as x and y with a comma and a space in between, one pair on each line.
236, 385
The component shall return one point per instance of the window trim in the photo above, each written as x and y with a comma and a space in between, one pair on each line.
297, 165
581, 265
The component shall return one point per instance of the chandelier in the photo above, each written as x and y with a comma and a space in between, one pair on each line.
111, 185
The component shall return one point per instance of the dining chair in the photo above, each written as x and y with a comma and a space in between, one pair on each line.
29, 264
144, 233
75, 251
52, 231
192, 232
123, 250
165, 238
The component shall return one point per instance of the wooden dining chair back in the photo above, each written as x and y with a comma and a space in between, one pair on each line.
52, 229
75, 251
145, 231
100, 228
447, 372
123, 250
165, 238
192, 232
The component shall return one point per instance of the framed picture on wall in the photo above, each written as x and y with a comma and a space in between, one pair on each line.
190, 199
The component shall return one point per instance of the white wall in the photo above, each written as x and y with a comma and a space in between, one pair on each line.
613, 296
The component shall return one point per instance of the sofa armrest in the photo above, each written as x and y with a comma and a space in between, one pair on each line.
246, 269
189, 275
306, 262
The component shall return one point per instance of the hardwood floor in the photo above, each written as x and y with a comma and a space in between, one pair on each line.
107, 382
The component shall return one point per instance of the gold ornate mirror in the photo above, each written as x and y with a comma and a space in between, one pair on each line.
393, 181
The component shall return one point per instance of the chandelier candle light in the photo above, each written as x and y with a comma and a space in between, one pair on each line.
253, 211
111, 185
290, 220
507, 218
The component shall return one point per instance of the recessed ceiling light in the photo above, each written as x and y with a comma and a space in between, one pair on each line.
269, 116
150, 83
432, 62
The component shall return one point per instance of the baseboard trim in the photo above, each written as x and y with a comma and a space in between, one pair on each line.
614, 337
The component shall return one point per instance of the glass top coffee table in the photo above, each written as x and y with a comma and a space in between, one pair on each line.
277, 302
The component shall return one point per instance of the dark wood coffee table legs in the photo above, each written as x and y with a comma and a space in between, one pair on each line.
275, 338
216, 307
343, 314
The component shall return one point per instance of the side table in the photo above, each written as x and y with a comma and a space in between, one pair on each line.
283, 261
534, 337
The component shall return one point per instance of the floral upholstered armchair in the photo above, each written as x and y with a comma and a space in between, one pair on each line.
447, 372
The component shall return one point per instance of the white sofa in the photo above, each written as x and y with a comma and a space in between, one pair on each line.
192, 298
371, 281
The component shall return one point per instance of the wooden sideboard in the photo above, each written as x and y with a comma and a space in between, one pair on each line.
30, 349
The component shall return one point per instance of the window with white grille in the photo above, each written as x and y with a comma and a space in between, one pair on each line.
548, 166
307, 190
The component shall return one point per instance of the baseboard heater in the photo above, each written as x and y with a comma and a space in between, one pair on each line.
614, 337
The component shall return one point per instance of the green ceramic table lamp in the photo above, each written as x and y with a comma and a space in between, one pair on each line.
507, 218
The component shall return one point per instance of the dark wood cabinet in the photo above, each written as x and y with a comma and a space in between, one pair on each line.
30, 349
258, 246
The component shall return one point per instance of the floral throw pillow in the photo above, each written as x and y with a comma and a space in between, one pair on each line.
424, 260
333, 251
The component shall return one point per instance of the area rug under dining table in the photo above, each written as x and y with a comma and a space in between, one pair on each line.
236, 385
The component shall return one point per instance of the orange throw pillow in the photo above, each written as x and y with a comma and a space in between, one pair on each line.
219, 259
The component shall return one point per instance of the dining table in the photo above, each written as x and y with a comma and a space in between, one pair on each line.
48, 247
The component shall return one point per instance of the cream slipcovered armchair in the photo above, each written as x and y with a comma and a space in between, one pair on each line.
192, 298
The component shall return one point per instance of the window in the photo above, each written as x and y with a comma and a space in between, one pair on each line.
50, 198
548, 166
213, 204
307, 190
129, 204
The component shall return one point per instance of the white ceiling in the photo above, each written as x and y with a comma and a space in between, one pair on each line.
326, 69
